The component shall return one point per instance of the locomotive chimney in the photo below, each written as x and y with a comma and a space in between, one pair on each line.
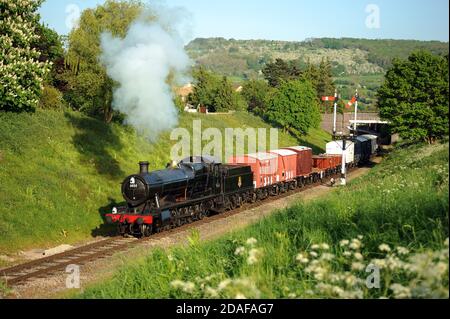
144, 167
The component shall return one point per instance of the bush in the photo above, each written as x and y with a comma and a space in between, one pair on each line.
51, 99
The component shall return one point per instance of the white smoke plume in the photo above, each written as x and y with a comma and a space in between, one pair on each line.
140, 63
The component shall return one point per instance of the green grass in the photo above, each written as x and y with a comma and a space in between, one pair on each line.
402, 202
60, 172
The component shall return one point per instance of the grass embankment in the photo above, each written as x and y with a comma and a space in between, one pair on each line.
396, 218
59, 172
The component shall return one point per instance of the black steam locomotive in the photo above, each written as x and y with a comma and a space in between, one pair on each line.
181, 194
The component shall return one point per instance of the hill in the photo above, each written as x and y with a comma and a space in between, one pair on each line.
245, 58
61, 171
357, 63
395, 218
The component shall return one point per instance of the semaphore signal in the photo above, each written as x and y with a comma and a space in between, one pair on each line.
342, 137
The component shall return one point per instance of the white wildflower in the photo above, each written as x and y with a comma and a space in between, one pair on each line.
358, 256
384, 248
224, 284
239, 251
358, 266
252, 241
344, 243
253, 256
177, 284
211, 292
347, 254
380, 263
400, 292
189, 287
402, 250
355, 244
327, 257
302, 258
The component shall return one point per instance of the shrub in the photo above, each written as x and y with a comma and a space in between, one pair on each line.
51, 99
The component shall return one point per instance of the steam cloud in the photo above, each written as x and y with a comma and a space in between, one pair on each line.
140, 63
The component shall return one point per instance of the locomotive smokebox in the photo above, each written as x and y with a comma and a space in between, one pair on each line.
144, 167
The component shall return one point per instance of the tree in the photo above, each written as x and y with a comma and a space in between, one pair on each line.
224, 98
22, 74
321, 77
294, 107
414, 97
205, 89
89, 87
255, 93
50, 46
326, 86
215, 93
277, 72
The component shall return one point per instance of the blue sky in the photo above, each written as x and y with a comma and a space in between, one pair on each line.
292, 19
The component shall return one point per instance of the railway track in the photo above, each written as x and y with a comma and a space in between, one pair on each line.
48, 266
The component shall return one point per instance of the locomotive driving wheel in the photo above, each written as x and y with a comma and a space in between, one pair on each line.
146, 230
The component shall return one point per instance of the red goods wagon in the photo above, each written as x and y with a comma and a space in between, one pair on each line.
304, 160
287, 164
265, 167
336, 160
323, 162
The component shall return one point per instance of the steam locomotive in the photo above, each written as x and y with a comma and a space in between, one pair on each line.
180, 194
194, 188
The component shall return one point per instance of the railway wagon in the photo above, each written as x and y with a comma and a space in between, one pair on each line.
336, 160
265, 167
287, 164
304, 160
337, 148
329, 164
373, 141
364, 149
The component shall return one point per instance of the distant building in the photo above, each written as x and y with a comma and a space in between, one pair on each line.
184, 91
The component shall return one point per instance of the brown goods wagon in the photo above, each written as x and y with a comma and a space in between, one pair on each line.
304, 159
287, 164
265, 167
323, 162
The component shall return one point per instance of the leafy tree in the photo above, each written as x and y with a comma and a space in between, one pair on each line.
215, 93
205, 89
277, 72
51, 48
22, 74
255, 93
89, 87
321, 77
224, 97
294, 107
414, 97
326, 86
